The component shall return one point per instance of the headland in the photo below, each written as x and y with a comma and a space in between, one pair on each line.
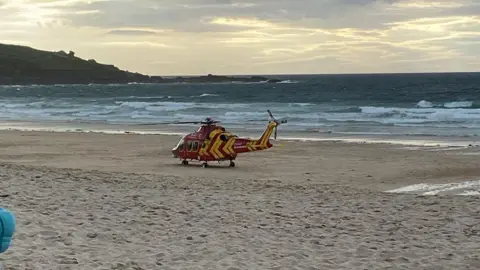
21, 65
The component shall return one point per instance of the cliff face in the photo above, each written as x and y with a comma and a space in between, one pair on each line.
25, 65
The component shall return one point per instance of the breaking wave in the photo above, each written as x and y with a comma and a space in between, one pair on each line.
454, 104
429, 104
301, 116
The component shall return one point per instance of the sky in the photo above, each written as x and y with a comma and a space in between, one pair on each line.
198, 37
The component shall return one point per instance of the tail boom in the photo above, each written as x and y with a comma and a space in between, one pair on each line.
249, 145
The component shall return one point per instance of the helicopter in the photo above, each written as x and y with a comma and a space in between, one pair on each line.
211, 142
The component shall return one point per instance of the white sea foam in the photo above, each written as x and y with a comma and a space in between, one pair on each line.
425, 118
453, 104
391, 115
460, 188
424, 104
459, 104
207, 95
288, 81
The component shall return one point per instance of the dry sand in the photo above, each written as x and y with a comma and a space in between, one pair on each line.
96, 201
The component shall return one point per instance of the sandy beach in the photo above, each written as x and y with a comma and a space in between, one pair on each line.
103, 201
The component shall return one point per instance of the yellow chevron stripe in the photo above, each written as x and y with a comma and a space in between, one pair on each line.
225, 147
220, 154
254, 145
268, 137
203, 150
214, 133
228, 147
211, 150
264, 140
260, 141
214, 149
249, 145
213, 154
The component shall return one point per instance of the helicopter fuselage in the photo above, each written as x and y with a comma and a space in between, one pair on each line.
214, 143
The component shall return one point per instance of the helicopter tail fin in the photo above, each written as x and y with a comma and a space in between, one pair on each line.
264, 141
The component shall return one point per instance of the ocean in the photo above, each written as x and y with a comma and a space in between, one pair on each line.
439, 104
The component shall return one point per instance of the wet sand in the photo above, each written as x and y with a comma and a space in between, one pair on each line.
98, 201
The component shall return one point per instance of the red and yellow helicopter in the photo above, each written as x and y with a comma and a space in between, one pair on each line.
212, 142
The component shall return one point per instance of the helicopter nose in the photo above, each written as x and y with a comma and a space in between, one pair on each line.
175, 153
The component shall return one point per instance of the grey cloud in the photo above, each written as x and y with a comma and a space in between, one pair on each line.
131, 32
467, 10
169, 15
189, 15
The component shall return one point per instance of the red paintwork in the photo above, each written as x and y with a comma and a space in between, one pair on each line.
220, 144
213, 143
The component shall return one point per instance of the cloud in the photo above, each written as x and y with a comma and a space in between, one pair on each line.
191, 15
132, 32
132, 44
259, 36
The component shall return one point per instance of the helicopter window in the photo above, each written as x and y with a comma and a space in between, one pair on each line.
195, 146
180, 144
190, 144
223, 137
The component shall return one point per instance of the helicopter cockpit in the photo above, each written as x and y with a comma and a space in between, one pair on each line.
179, 145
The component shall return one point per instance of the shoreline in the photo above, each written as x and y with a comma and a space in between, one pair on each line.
298, 136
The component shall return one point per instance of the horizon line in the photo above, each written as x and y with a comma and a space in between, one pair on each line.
240, 74
317, 74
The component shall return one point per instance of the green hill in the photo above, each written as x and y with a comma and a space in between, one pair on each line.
24, 65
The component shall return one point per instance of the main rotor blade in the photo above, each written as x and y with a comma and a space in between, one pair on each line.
270, 114
187, 122
196, 122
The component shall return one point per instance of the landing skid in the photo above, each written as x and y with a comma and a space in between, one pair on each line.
205, 164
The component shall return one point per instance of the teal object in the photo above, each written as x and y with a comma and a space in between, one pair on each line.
7, 229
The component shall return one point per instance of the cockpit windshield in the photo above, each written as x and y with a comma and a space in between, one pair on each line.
180, 144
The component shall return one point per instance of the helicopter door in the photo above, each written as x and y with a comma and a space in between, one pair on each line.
189, 146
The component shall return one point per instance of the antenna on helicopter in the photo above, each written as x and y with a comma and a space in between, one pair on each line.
276, 121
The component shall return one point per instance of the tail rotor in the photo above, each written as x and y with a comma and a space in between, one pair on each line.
276, 121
